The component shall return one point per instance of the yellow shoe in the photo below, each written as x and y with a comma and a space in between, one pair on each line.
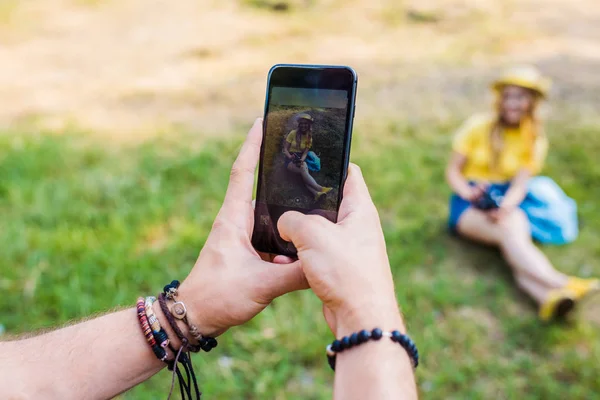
582, 287
318, 195
558, 304
326, 190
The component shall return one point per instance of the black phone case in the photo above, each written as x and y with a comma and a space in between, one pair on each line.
258, 241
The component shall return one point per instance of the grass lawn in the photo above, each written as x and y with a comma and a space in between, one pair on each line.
87, 227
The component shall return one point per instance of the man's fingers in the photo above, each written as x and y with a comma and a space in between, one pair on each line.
289, 224
279, 259
241, 181
303, 230
356, 193
284, 278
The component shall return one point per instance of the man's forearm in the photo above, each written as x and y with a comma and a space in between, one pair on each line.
376, 369
50, 366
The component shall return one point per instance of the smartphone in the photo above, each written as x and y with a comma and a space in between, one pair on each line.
305, 150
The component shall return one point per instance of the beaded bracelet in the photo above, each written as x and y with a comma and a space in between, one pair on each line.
159, 333
159, 352
154, 334
179, 309
185, 343
363, 336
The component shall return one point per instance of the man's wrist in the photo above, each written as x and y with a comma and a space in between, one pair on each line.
368, 316
174, 340
198, 315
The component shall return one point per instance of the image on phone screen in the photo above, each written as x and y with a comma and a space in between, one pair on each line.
304, 153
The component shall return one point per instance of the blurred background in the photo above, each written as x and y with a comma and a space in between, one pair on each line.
119, 121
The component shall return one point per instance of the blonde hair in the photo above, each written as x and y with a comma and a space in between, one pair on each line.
530, 127
309, 132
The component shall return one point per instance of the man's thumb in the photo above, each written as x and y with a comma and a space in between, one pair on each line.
290, 225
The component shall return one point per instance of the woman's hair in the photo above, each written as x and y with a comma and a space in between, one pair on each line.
309, 133
530, 127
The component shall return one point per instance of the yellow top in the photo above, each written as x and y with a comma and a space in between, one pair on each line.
305, 142
473, 140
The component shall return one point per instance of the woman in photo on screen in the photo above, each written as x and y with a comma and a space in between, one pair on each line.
499, 155
296, 148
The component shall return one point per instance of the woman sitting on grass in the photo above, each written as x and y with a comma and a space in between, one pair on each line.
296, 147
499, 154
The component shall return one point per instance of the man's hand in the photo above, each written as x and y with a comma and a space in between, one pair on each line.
230, 283
346, 263
347, 266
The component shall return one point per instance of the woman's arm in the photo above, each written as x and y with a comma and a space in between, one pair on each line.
304, 154
513, 197
517, 191
457, 181
286, 149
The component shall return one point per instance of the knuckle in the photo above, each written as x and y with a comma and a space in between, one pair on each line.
219, 222
216, 253
239, 172
224, 228
308, 225
317, 221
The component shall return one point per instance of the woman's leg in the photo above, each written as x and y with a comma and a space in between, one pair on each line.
532, 269
310, 189
309, 181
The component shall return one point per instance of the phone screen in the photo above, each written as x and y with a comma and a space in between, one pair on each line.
305, 149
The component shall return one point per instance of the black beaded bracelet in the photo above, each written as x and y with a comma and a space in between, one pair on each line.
363, 336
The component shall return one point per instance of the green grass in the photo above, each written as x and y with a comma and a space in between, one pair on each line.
86, 227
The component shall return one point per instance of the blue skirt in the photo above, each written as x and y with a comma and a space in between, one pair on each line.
551, 213
287, 161
458, 205
313, 162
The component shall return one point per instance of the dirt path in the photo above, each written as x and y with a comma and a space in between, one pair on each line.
134, 67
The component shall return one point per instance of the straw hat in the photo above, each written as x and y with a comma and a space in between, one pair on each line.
305, 116
527, 77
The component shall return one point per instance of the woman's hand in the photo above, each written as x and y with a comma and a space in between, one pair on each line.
346, 263
304, 155
230, 283
474, 193
496, 215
